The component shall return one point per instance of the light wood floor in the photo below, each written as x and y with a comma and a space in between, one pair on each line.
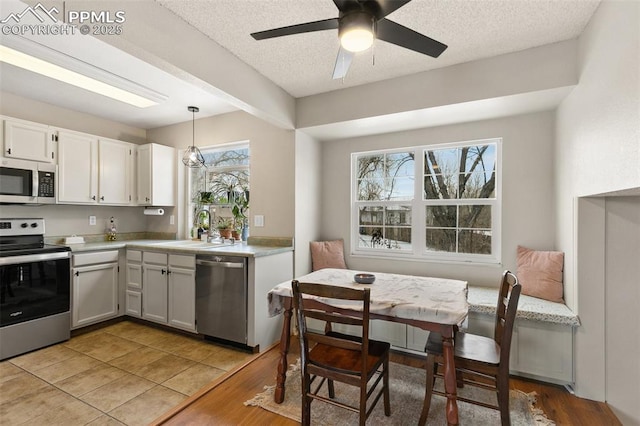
221, 403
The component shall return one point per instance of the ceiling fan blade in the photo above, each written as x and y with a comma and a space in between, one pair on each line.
407, 38
389, 6
343, 61
344, 5
307, 27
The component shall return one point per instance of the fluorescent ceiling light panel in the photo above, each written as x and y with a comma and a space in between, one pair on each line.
48, 69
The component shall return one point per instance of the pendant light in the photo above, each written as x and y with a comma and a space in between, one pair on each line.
192, 156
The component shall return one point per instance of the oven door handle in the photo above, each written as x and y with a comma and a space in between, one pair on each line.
29, 258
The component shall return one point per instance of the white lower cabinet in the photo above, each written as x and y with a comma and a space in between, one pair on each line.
133, 292
182, 298
168, 289
133, 300
95, 287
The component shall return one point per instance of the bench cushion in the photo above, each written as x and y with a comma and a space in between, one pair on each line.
483, 300
540, 273
327, 254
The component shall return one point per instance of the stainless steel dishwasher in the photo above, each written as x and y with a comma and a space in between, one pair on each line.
221, 297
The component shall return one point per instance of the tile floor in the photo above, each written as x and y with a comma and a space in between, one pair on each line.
125, 373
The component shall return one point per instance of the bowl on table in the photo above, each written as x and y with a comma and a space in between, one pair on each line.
364, 278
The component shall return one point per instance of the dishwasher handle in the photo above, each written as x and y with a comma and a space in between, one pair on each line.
229, 265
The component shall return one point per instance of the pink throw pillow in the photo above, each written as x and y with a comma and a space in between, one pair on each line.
540, 273
327, 254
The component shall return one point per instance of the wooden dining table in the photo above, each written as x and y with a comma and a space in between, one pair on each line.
432, 304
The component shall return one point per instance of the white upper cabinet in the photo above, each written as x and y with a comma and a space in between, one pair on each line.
77, 168
27, 140
115, 170
94, 170
156, 175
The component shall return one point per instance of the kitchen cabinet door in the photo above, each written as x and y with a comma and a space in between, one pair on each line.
77, 168
115, 167
95, 293
133, 303
156, 166
182, 298
133, 299
154, 293
28, 141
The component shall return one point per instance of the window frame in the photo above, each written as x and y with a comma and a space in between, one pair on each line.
189, 183
418, 251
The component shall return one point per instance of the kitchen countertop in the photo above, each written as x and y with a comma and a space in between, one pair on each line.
184, 247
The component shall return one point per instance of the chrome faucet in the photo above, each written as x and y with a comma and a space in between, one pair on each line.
208, 215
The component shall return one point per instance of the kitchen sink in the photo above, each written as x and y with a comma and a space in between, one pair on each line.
191, 244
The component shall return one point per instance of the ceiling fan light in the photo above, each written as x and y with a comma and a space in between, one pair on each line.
357, 40
356, 31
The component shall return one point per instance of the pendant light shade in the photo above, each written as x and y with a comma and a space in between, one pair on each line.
192, 156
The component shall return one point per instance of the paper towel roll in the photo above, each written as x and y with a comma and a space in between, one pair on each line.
154, 212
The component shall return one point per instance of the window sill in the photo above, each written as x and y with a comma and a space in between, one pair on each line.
410, 258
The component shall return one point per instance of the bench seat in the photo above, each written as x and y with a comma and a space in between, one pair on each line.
483, 300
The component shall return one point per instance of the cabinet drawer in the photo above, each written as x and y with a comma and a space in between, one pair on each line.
152, 257
95, 257
182, 261
134, 256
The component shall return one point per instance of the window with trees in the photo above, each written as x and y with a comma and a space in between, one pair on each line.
221, 188
428, 202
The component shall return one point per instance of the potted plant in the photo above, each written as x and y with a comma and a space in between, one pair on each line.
225, 226
239, 210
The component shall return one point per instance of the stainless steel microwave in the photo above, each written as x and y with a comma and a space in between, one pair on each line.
27, 182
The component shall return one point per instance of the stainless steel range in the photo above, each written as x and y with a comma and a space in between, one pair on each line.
34, 288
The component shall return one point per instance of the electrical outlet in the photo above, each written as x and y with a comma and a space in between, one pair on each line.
258, 220
172, 220
92, 220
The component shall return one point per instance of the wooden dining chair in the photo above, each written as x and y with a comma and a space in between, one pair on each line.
480, 361
333, 356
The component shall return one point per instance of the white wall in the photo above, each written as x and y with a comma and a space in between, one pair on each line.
622, 225
527, 191
597, 151
272, 163
308, 195
538, 69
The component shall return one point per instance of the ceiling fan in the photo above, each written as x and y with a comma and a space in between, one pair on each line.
358, 23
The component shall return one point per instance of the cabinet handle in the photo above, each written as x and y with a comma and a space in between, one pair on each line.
146, 198
102, 198
9, 151
163, 271
93, 198
168, 271
76, 273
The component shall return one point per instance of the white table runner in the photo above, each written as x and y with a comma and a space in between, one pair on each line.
437, 300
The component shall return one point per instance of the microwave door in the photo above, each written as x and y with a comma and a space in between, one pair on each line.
18, 185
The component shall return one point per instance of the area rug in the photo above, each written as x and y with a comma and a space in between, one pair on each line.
407, 396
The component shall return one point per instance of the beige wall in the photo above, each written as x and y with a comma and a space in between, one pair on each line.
272, 163
597, 152
40, 112
527, 191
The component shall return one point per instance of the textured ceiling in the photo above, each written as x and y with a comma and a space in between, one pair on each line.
303, 64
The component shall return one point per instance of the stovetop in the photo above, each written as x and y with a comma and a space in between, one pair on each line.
25, 236
47, 248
